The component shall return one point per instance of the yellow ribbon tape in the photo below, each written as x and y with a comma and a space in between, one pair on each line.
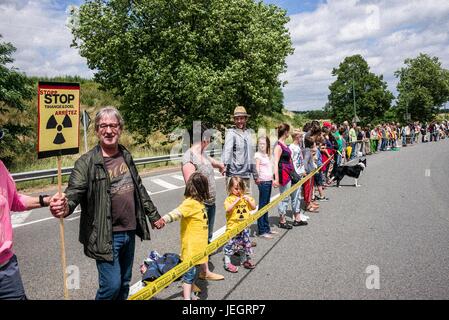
156, 286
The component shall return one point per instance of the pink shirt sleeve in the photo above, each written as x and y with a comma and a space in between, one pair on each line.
19, 202
16, 201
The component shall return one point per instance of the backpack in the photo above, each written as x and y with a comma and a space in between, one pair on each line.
156, 268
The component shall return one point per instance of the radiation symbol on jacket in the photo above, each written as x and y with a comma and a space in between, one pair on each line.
241, 217
53, 124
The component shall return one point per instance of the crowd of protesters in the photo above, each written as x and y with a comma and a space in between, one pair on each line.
116, 207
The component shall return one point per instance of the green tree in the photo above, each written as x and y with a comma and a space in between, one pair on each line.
423, 88
372, 98
316, 114
177, 61
15, 89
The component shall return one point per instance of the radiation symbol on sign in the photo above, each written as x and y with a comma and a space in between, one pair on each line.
53, 124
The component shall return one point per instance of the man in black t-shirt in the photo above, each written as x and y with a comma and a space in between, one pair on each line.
114, 206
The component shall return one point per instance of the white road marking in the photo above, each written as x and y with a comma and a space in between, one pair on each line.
20, 217
162, 191
164, 184
427, 173
178, 177
32, 222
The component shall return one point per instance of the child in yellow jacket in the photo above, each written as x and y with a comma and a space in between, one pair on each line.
238, 206
194, 227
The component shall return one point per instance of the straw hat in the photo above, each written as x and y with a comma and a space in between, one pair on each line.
240, 111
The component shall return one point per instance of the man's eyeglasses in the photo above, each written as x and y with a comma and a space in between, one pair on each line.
113, 126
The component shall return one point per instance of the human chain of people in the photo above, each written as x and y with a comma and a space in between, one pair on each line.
114, 206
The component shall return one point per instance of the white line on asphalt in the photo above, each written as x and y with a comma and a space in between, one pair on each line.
162, 191
427, 173
178, 177
164, 184
32, 222
19, 218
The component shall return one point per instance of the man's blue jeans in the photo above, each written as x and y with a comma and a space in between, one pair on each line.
264, 198
114, 277
211, 219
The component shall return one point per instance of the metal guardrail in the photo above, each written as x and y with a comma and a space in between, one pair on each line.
52, 173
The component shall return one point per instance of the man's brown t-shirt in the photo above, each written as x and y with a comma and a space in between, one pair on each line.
122, 194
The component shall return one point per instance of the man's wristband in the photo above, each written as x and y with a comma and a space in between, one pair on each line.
41, 199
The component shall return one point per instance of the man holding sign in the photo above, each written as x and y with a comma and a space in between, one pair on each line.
114, 206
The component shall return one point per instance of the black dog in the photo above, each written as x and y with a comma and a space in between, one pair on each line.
350, 171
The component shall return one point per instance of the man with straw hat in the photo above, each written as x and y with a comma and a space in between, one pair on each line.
238, 151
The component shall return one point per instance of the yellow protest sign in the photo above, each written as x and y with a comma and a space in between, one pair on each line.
58, 119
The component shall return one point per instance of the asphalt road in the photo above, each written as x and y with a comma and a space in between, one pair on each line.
396, 224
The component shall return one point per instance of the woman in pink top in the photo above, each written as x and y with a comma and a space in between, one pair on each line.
11, 286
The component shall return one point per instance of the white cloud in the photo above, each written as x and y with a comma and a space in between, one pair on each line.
38, 30
384, 32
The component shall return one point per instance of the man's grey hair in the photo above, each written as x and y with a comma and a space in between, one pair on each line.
108, 111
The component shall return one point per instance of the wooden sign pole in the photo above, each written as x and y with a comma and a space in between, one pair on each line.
58, 106
61, 232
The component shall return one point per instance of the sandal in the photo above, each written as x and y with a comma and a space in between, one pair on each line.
231, 268
285, 226
313, 209
248, 265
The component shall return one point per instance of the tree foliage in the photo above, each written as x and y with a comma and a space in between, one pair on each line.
177, 61
15, 89
372, 98
423, 88
313, 114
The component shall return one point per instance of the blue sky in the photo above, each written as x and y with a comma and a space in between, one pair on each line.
294, 7
323, 32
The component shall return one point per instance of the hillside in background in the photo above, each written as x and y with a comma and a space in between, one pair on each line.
93, 99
